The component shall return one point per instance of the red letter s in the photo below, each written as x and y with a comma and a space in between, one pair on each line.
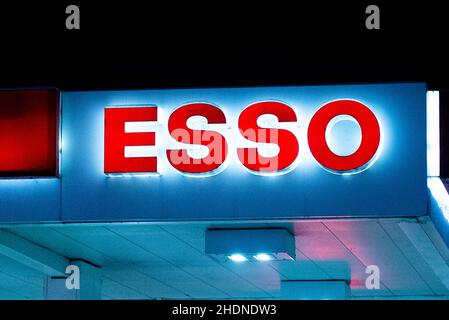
214, 141
286, 140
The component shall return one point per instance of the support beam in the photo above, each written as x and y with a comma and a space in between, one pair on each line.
315, 290
32, 254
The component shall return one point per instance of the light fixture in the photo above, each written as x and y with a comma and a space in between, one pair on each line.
250, 244
236, 257
263, 257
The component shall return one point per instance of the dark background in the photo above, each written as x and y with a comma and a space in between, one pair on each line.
131, 45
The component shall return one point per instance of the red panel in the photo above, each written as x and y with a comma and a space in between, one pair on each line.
29, 133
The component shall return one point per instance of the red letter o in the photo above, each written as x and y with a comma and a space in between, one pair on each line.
369, 145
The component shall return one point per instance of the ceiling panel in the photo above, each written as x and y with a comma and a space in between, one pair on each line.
18, 286
61, 243
369, 242
167, 261
162, 244
108, 243
7, 294
414, 257
114, 290
261, 275
228, 282
143, 284
190, 285
320, 245
19, 280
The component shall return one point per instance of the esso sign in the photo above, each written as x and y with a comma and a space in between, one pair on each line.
196, 148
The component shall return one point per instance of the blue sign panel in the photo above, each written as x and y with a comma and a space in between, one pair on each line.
30, 200
369, 163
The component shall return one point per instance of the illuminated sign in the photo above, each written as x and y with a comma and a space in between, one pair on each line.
244, 153
131, 127
223, 154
